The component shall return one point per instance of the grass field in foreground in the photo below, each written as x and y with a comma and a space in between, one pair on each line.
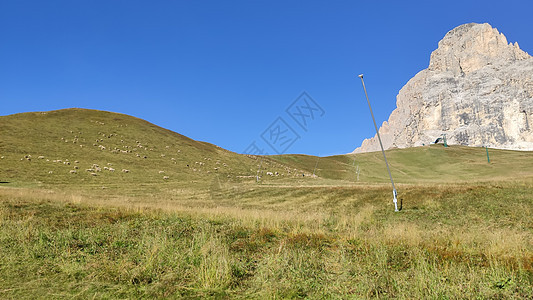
476, 242
210, 230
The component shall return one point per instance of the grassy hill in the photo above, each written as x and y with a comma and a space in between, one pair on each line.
429, 164
80, 147
62, 147
211, 231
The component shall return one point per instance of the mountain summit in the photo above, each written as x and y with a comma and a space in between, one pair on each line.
470, 47
478, 90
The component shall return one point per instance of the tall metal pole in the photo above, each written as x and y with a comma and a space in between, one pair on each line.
353, 165
260, 164
315, 166
394, 193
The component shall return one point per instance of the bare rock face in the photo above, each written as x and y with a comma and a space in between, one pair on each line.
478, 90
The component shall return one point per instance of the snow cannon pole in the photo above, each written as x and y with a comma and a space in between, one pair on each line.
394, 193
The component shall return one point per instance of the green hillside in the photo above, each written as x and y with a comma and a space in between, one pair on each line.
428, 164
82, 147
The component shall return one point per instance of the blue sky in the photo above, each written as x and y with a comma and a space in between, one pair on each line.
224, 71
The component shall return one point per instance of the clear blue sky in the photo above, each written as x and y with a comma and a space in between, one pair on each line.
223, 71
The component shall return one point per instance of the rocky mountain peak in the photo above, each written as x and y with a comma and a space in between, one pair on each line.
469, 47
478, 90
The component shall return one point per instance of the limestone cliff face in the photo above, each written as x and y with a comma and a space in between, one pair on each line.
478, 90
